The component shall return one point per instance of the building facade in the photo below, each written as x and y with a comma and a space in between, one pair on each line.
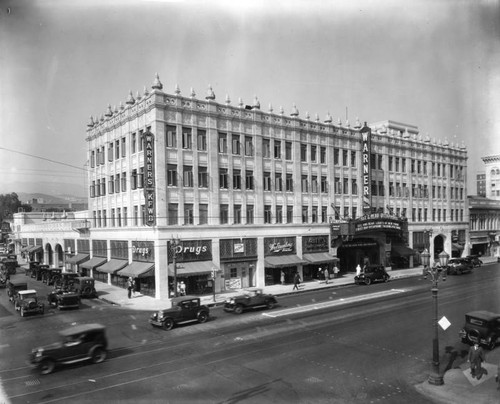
481, 184
484, 226
492, 176
235, 195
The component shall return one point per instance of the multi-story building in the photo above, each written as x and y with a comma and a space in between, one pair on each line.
481, 184
183, 187
492, 176
484, 226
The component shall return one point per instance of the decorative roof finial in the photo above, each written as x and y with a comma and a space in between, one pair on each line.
317, 117
193, 94
328, 118
270, 107
339, 122
240, 102
177, 90
137, 96
109, 111
146, 92
210, 93
157, 83
295, 111
282, 111
307, 115
228, 100
91, 122
130, 99
357, 125
256, 103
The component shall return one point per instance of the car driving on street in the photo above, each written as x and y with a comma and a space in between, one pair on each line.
370, 274
251, 298
184, 309
459, 266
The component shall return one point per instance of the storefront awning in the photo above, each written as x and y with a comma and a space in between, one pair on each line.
456, 247
26, 248
78, 259
284, 261
112, 266
320, 257
94, 262
35, 249
402, 250
192, 268
138, 270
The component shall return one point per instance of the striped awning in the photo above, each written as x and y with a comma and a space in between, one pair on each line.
112, 266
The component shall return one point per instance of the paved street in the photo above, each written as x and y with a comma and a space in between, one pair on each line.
375, 348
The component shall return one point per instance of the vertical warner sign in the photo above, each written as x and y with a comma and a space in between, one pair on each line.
366, 133
149, 181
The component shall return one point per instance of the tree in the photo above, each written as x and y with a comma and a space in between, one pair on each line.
10, 204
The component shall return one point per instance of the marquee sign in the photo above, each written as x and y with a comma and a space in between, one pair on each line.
149, 180
366, 133
380, 221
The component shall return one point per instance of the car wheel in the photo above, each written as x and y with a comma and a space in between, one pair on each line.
238, 309
270, 304
47, 366
491, 343
98, 355
386, 278
22, 312
87, 291
368, 281
168, 324
203, 317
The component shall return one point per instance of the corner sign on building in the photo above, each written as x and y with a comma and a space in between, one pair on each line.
149, 180
366, 134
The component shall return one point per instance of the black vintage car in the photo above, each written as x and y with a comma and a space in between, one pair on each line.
10, 263
52, 276
184, 309
84, 286
459, 266
13, 287
4, 276
76, 344
39, 271
31, 266
474, 260
252, 298
482, 327
370, 274
64, 299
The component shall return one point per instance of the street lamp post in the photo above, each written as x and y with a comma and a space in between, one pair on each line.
174, 243
435, 273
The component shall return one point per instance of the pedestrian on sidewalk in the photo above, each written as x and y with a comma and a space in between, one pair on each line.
358, 270
327, 275
497, 377
336, 271
282, 277
296, 281
476, 358
130, 285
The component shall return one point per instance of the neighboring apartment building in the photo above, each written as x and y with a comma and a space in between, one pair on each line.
481, 184
492, 176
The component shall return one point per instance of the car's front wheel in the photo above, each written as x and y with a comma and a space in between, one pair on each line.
99, 355
202, 317
47, 366
168, 324
491, 342
238, 309
270, 304
386, 278
368, 281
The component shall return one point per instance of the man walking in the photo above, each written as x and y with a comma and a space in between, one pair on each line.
476, 357
296, 281
327, 275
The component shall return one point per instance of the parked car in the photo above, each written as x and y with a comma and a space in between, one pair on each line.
63, 299
184, 309
31, 266
10, 262
458, 266
52, 276
66, 280
84, 286
482, 327
4, 276
39, 272
13, 287
76, 344
370, 274
252, 298
474, 260
27, 302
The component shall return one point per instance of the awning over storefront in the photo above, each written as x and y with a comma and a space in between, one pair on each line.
283, 261
112, 266
138, 270
35, 249
402, 250
320, 257
192, 268
456, 247
26, 248
78, 259
93, 262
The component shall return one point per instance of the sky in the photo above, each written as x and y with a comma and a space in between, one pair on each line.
434, 64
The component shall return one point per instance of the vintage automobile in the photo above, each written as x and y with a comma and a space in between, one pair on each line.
10, 263
39, 272
459, 266
79, 343
474, 260
66, 280
84, 286
4, 276
13, 287
64, 299
52, 276
26, 302
31, 266
184, 309
370, 274
482, 327
251, 298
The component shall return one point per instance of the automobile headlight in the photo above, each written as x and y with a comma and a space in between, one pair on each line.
38, 352
160, 316
232, 301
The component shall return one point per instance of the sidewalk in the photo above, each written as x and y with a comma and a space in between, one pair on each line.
458, 388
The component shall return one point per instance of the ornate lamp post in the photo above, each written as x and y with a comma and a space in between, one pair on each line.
174, 243
435, 273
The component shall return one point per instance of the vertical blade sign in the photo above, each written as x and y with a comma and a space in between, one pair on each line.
149, 183
366, 133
